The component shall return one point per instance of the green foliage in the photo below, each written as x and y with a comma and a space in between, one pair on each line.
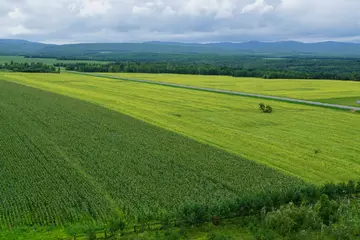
48, 61
290, 219
326, 209
38, 67
357, 188
172, 235
91, 234
262, 233
116, 226
195, 213
216, 220
347, 225
219, 236
260, 68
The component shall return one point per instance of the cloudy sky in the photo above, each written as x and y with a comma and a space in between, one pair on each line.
70, 21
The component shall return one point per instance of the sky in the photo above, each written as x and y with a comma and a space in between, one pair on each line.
74, 21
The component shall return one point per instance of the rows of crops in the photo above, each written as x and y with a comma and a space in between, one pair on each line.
66, 161
313, 143
338, 92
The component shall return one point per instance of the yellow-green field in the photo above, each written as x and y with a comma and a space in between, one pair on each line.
313, 143
338, 92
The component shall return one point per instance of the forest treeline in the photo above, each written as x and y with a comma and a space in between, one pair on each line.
292, 70
29, 67
330, 210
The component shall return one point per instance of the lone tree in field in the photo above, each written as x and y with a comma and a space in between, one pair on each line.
262, 107
267, 109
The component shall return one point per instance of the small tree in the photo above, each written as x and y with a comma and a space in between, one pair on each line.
262, 107
268, 109
265, 109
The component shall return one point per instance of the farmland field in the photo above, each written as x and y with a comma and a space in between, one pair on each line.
67, 161
21, 59
314, 144
328, 91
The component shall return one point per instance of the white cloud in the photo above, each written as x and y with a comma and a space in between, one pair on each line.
20, 30
152, 8
90, 8
16, 14
219, 8
179, 20
259, 6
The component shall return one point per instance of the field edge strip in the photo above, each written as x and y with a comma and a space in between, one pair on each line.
228, 92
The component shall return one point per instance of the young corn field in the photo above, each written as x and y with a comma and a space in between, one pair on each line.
64, 161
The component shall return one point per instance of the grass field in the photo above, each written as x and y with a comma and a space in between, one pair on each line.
315, 144
21, 59
67, 161
338, 92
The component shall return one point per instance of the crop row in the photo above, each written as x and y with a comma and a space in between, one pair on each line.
65, 161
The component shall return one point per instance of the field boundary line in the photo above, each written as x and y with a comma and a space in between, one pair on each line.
229, 92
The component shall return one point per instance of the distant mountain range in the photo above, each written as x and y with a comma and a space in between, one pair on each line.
289, 48
19, 47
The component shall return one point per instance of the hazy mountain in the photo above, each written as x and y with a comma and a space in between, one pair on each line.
23, 47
19, 47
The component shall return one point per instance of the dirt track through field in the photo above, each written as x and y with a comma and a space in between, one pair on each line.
243, 94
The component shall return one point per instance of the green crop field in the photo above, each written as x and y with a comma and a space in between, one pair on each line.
21, 59
329, 91
66, 161
314, 144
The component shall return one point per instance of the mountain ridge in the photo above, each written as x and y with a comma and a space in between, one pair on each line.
24, 47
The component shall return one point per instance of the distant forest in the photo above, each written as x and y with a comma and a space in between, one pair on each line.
29, 67
269, 68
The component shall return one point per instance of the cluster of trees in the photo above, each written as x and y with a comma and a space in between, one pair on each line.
29, 67
267, 202
336, 219
272, 69
331, 210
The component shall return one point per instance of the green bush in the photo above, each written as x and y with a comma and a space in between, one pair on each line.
347, 225
91, 235
290, 219
326, 209
116, 226
194, 214
172, 235
264, 234
218, 236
